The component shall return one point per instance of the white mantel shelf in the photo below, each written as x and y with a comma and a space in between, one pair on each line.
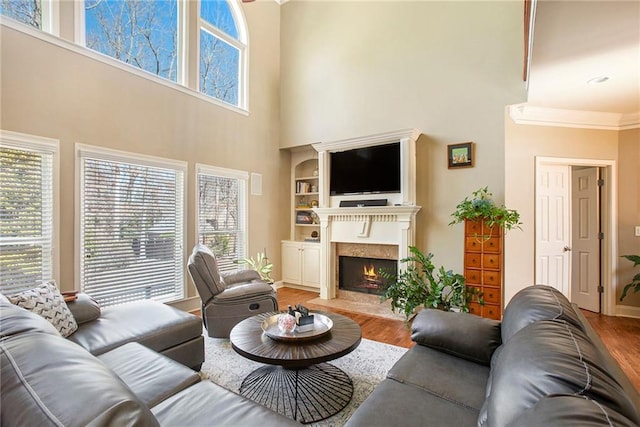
368, 210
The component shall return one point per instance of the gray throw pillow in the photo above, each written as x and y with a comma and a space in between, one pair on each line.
84, 308
47, 301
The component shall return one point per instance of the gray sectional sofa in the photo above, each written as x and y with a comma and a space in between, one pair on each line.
543, 365
130, 365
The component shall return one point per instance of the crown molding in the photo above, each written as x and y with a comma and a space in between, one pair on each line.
525, 114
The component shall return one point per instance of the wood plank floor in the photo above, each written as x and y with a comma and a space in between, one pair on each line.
621, 335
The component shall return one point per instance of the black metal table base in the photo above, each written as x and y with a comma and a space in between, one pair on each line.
305, 395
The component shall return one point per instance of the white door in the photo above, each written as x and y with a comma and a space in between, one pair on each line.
585, 264
553, 244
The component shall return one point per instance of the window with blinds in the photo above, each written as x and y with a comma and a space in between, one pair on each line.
222, 214
131, 227
26, 212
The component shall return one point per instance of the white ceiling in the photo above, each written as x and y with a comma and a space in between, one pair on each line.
575, 41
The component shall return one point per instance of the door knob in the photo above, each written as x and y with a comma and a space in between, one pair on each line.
566, 249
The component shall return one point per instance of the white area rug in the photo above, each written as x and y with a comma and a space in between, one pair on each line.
367, 365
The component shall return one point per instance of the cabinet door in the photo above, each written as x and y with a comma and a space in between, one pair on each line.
291, 262
311, 265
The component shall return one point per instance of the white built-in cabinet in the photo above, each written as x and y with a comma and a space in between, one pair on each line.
301, 263
301, 253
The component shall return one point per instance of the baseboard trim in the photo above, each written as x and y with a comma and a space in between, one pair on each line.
628, 311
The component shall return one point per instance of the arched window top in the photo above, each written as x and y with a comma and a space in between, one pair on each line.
223, 51
219, 14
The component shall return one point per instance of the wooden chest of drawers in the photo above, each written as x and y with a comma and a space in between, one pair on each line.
483, 269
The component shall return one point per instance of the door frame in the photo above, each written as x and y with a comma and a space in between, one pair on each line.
609, 205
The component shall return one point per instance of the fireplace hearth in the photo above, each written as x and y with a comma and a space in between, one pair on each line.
360, 274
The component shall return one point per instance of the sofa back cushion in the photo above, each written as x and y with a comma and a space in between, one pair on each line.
16, 320
539, 302
550, 357
48, 380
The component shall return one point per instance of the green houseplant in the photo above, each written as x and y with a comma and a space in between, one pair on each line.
482, 207
419, 284
260, 264
635, 282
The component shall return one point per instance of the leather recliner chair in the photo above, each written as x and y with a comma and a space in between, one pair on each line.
230, 298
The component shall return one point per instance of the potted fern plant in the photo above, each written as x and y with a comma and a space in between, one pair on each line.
481, 207
420, 284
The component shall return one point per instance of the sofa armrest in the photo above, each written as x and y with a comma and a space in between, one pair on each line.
461, 334
240, 277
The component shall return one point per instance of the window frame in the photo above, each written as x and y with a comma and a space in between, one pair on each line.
108, 154
23, 141
241, 176
241, 43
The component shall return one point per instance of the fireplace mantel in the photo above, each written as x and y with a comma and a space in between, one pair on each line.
394, 224
388, 225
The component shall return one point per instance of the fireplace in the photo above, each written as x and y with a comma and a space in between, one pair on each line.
360, 274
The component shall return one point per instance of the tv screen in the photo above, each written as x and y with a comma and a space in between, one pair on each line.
366, 170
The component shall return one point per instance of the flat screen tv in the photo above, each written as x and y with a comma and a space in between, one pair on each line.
368, 170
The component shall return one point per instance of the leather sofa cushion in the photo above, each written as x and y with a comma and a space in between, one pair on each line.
84, 308
395, 404
207, 403
150, 323
151, 376
17, 320
48, 380
539, 302
440, 374
570, 411
550, 357
460, 334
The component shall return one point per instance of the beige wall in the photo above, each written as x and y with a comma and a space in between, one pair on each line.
629, 209
54, 92
523, 143
352, 69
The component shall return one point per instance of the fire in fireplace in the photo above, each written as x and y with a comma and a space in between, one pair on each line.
363, 274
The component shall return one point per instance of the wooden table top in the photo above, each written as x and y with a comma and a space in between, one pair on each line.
248, 340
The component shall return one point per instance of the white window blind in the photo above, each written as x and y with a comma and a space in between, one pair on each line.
132, 222
222, 215
26, 214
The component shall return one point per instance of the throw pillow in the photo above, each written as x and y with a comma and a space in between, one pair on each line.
47, 301
84, 308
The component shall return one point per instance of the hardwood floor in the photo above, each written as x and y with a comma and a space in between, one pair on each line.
621, 335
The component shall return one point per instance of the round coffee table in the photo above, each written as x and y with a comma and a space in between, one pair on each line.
296, 381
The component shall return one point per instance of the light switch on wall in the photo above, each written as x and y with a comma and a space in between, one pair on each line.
637, 230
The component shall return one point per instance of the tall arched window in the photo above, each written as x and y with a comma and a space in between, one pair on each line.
223, 45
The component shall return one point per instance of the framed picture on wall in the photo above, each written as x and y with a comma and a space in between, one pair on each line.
460, 155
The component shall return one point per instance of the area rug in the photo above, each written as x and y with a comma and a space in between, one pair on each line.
367, 365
